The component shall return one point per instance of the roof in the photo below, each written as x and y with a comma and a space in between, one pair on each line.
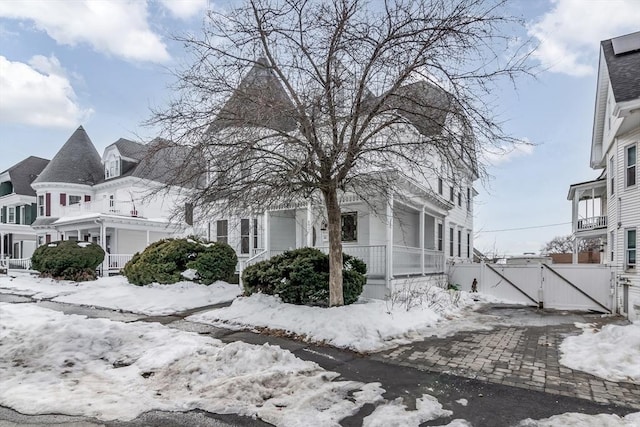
130, 149
424, 105
23, 173
259, 100
165, 162
77, 162
624, 68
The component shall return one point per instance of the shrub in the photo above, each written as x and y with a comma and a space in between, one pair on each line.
301, 276
164, 262
68, 260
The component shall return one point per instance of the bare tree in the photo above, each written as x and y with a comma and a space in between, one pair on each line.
286, 100
564, 245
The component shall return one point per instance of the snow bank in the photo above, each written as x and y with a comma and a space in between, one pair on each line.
395, 413
56, 363
365, 326
612, 353
117, 293
574, 419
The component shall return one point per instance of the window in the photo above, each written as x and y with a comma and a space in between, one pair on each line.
612, 246
468, 245
468, 199
630, 248
440, 186
11, 214
350, 227
451, 193
459, 199
74, 200
255, 233
244, 236
612, 174
112, 203
40, 205
222, 231
459, 243
630, 170
450, 241
440, 233
112, 167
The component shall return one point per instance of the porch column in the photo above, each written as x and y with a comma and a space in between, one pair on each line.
574, 258
389, 238
421, 237
574, 210
251, 248
309, 226
103, 245
148, 238
79, 235
2, 245
267, 239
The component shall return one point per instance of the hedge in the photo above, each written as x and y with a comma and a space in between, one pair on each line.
301, 276
68, 260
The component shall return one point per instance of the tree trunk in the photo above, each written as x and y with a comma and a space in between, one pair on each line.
336, 296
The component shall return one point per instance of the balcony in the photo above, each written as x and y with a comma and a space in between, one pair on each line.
592, 223
110, 207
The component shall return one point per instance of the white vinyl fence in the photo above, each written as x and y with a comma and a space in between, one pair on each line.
558, 286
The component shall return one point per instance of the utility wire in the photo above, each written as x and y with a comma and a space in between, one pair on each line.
523, 228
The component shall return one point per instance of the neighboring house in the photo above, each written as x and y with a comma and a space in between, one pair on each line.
413, 231
108, 200
18, 208
609, 206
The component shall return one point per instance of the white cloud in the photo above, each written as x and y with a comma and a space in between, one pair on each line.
497, 155
118, 28
569, 34
184, 9
38, 93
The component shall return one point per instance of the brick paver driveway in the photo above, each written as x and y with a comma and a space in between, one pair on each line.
522, 350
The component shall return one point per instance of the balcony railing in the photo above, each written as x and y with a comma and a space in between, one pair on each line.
114, 207
592, 223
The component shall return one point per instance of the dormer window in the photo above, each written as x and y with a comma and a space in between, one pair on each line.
112, 167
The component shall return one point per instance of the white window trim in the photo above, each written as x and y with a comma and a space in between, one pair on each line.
41, 205
627, 249
11, 210
627, 166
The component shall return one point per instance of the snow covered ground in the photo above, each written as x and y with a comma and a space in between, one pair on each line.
366, 326
573, 419
69, 364
612, 353
117, 293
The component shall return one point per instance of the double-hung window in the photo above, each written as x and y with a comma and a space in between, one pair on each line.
459, 243
349, 226
440, 186
468, 199
630, 248
244, 236
440, 235
11, 214
450, 241
630, 165
222, 231
40, 205
612, 174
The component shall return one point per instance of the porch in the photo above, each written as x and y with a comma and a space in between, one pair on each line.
589, 212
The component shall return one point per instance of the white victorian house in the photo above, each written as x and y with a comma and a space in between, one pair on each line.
413, 231
608, 207
18, 209
106, 199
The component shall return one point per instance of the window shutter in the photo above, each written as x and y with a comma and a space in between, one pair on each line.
47, 208
17, 214
63, 199
3, 215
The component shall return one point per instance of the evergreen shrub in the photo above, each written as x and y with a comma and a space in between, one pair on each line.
164, 262
301, 276
68, 260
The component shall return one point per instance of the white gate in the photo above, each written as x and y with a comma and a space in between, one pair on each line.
559, 286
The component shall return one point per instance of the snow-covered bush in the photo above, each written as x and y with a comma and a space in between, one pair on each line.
301, 276
68, 260
166, 260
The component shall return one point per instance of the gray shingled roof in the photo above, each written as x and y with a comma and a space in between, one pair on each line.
165, 162
423, 104
260, 100
131, 149
77, 162
22, 174
624, 72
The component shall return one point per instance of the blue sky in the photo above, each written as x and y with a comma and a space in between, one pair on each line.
105, 67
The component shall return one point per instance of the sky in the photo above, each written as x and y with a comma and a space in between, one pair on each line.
108, 65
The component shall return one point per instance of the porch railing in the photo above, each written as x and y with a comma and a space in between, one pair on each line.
408, 261
116, 207
375, 256
16, 263
592, 223
116, 262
